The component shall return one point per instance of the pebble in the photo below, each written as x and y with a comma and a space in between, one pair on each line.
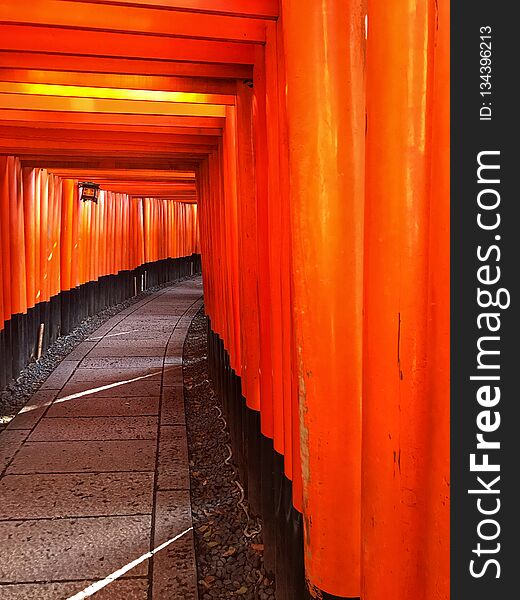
230, 568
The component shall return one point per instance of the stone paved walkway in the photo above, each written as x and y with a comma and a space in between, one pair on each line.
94, 470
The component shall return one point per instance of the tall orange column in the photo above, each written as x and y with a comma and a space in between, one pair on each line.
44, 236
324, 47
30, 238
37, 234
5, 237
263, 239
436, 549
55, 202
276, 199
17, 238
74, 258
405, 524
230, 172
248, 249
67, 216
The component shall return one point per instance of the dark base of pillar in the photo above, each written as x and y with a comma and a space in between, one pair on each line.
261, 468
320, 595
64, 311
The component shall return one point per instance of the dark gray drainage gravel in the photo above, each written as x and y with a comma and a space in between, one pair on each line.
229, 564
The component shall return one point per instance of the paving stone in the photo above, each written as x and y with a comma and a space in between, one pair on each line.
81, 457
173, 469
88, 406
126, 362
142, 334
117, 342
32, 412
172, 406
95, 428
140, 386
122, 589
108, 375
59, 377
124, 350
81, 350
173, 356
106, 328
76, 501
62, 549
148, 321
38, 496
173, 375
10, 443
174, 569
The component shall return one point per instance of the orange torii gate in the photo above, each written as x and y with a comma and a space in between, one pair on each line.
276, 140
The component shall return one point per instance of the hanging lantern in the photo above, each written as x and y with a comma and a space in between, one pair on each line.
89, 191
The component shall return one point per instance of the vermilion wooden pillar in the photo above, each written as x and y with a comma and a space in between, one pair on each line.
436, 546
324, 43
67, 216
261, 181
17, 238
248, 248
274, 217
44, 241
5, 237
406, 353
230, 171
29, 227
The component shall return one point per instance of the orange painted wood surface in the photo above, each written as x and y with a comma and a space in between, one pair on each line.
324, 45
406, 316
51, 241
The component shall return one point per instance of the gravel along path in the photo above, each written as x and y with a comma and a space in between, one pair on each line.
228, 545
30, 379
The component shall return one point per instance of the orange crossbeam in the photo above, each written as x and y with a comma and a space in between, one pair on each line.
135, 174
78, 137
132, 129
73, 91
197, 85
102, 105
133, 19
147, 188
251, 8
166, 67
101, 43
111, 119
63, 160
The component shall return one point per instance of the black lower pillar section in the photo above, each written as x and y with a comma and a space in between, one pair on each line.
261, 469
55, 318
45, 320
295, 574
281, 555
8, 364
65, 312
317, 594
17, 343
33, 323
3, 359
267, 512
20, 334
254, 470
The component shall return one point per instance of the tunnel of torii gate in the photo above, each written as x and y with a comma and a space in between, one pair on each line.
298, 151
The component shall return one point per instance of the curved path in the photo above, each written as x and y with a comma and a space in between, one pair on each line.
94, 470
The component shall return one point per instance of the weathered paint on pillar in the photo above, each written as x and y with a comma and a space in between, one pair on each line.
405, 331
325, 99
